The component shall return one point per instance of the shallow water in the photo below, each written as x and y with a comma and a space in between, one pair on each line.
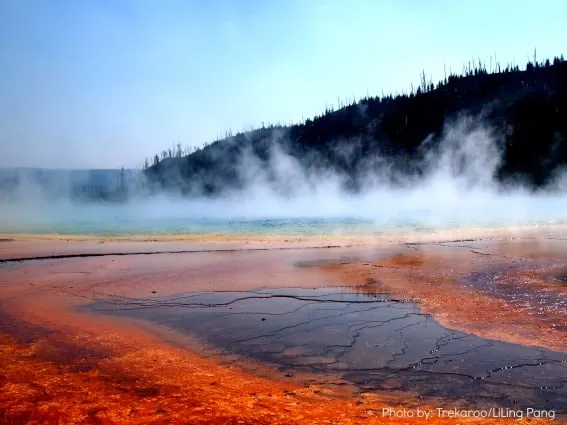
371, 340
379, 213
119, 223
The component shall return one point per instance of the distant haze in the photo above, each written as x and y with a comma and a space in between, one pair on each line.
104, 84
458, 191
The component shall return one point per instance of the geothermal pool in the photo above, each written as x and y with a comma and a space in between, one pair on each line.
379, 213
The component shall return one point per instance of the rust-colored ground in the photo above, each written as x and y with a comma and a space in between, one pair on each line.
436, 279
61, 366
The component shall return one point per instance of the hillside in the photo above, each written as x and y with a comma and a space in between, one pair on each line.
526, 109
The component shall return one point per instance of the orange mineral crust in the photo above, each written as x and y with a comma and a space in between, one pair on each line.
61, 365
99, 372
84, 369
437, 280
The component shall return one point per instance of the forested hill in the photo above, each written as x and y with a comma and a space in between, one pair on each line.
527, 110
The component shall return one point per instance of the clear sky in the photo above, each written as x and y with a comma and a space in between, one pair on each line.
105, 83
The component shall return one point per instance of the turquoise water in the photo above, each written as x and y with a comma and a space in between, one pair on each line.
180, 226
188, 218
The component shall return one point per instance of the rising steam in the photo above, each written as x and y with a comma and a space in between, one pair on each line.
458, 189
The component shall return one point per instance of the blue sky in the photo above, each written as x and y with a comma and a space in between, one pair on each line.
105, 83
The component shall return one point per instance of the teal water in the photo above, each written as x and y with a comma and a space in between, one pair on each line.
187, 219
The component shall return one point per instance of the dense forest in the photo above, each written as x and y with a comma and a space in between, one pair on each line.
526, 108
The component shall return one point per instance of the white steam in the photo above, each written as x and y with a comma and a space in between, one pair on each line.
458, 190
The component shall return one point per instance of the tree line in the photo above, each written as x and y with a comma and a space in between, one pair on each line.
527, 106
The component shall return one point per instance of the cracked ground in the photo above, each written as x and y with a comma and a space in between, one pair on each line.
374, 341
179, 333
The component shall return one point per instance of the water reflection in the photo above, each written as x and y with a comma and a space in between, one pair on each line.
371, 340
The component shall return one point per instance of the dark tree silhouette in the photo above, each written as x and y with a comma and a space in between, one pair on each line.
527, 109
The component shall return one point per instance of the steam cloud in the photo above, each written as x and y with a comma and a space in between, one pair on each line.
458, 190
